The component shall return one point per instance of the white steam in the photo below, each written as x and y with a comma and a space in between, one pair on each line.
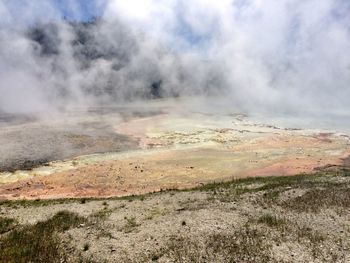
259, 54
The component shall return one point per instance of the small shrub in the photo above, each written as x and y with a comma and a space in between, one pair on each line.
130, 224
6, 224
102, 214
271, 220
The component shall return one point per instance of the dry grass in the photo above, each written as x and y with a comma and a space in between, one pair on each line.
39, 242
130, 224
314, 200
271, 213
246, 244
6, 224
272, 220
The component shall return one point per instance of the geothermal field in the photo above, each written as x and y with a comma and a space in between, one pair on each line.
166, 181
174, 131
154, 146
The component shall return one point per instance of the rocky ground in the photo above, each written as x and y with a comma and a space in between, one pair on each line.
303, 218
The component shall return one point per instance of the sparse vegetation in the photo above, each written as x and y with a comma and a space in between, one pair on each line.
39, 242
6, 224
321, 191
130, 225
104, 233
316, 199
243, 245
271, 220
102, 214
245, 220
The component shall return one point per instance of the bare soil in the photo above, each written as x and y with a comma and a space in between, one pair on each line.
303, 218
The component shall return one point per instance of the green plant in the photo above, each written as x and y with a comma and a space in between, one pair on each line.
130, 224
39, 242
6, 224
271, 220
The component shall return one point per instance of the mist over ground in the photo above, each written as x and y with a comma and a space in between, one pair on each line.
285, 56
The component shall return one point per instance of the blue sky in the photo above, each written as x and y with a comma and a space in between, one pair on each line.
28, 11
88, 8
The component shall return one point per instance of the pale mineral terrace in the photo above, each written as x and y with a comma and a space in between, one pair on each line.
117, 153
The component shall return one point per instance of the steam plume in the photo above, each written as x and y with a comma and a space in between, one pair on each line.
285, 55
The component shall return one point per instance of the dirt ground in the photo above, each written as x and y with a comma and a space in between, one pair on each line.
275, 219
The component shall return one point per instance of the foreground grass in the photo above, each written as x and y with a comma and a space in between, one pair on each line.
39, 242
278, 203
6, 224
320, 189
316, 199
235, 186
242, 245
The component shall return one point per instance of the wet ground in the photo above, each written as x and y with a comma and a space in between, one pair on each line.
28, 142
142, 148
